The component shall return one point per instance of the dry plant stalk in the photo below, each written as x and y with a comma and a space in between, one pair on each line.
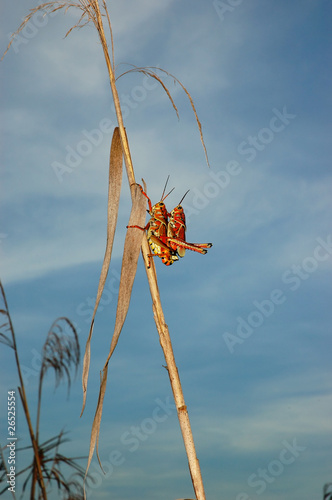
12, 343
60, 352
135, 239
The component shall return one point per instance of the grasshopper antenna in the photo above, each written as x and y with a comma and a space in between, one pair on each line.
185, 194
162, 196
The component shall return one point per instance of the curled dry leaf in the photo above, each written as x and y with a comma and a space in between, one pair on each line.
114, 189
131, 252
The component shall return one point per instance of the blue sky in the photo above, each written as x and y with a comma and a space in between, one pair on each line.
251, 320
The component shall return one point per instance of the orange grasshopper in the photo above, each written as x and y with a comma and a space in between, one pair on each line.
157, 229
176, 233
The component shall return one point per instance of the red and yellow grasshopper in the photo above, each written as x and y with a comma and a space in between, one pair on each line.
167, 238
176, 233
157, 229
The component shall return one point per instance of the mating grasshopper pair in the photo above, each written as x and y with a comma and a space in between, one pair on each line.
166, 232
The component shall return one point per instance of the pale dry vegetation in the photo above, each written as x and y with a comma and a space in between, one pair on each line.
97, 13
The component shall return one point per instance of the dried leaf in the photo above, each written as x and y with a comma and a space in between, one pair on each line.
131, 252
96, 422
129, 265
114, 189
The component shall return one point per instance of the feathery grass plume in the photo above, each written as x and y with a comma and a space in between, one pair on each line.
90, 12
61, 350
8, 327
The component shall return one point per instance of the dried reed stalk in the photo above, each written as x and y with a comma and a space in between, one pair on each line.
61, 350
21, 390
90, 12
162, 328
